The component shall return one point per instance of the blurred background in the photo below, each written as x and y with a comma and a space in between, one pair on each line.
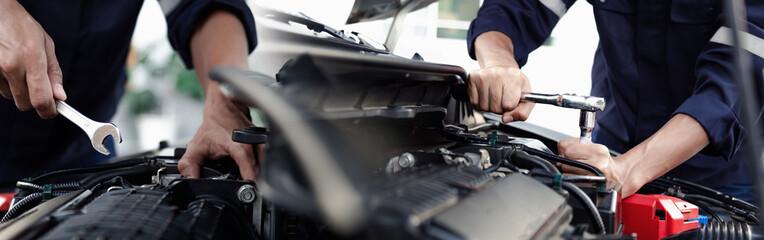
163, 101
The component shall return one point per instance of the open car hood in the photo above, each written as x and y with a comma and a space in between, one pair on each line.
370, 10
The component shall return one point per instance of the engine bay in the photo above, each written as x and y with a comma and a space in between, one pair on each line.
363, 144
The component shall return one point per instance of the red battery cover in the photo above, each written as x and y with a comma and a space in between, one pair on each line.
5, 201
657, 216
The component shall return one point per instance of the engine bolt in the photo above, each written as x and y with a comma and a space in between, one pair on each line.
247, 194
406, 160
461, 160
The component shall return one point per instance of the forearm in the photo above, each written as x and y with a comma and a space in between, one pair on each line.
495, 49
220, 40
678, 140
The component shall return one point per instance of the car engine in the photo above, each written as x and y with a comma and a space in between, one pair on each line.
363, 144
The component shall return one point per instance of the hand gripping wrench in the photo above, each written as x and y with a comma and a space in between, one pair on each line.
96, 131
589, 107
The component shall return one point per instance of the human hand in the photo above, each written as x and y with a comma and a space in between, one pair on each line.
213, 139
499, 89
29, 71
499, 84
598, 156
219, 41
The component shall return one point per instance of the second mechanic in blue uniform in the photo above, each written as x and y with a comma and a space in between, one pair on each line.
664, 68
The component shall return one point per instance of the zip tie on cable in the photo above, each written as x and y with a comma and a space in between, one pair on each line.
557, 183
492, 138
47, 192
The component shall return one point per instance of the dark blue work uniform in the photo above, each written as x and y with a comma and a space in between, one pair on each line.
92, 39
655, 59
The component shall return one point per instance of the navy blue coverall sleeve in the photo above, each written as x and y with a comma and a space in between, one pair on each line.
183, 16
527, 22
715, 102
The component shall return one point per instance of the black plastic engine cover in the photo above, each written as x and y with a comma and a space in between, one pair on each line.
516, 207
142, 213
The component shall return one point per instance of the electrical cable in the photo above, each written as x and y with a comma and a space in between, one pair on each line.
493, 167
118, 180
512, 167
585, 200
520, 156
746, 214
702, 197
25, 204
574, 178
95, 168
67, 186
562, 160
705, 207
667, 182
55, 186
585, 179
28, 186
19, 207
143, 171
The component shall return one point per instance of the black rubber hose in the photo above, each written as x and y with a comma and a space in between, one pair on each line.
715, 216
562, 160
574, 178
585, 179
141, 171
116, 181
581, 196
746, 214
694, 188
512, 167
95, 168
27, 203
523, 159
494, 167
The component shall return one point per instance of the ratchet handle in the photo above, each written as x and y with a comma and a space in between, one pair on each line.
586, 103
552, 99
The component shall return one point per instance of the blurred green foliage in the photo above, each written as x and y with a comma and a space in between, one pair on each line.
459, 10
186, 82
142, 102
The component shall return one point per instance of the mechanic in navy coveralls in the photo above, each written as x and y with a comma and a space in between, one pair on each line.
76, 51
664, 69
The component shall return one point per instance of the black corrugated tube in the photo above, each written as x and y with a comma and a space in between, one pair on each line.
728, 231
26, 203
55, 186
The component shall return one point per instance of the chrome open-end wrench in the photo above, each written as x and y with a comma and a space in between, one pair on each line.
96, 131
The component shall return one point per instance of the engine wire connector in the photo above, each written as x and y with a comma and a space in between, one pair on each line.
557, 182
